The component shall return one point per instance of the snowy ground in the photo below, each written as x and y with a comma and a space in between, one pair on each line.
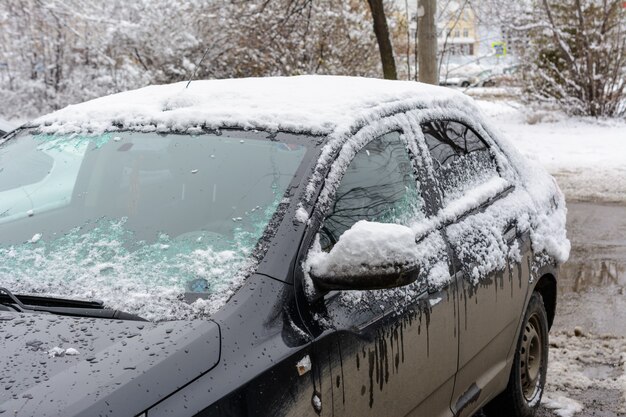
587, 156
587, 375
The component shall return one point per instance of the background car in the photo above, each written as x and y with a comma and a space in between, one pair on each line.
464, 80
306, 246
508, 77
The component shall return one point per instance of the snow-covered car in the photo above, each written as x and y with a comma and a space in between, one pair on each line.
456, 81
306, 246
5, 127
466, 80
506, 78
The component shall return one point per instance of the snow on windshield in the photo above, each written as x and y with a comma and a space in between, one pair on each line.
146, 279
137, 219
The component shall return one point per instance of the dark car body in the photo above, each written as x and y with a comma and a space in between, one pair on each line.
281, 346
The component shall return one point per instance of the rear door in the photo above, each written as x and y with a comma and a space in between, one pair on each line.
490, 258
391, 352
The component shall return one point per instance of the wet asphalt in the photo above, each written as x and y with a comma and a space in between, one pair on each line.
591, 291
591, 297
592, 283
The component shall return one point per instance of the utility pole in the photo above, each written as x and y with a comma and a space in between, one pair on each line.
427, 41
382, 37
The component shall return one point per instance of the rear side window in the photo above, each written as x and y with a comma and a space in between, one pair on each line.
378, 185
461, 158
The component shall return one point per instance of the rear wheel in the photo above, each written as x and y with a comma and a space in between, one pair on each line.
530, 365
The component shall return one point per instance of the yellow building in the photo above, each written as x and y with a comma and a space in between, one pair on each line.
460, 34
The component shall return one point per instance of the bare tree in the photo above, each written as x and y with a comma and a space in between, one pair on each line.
427, 41
577, 56
381, 29
56, 53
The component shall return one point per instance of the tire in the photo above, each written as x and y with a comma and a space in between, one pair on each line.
530, 366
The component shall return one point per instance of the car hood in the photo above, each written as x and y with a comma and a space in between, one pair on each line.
64, 366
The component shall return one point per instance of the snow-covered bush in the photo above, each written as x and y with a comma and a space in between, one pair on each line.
576, 56
57, 53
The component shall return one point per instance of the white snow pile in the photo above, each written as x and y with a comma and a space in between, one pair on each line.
364, 244
580, 363
5, 126
147, 281
304, 365
60, 352
367, 245
315, 104
587, 156
302, 216
562, 406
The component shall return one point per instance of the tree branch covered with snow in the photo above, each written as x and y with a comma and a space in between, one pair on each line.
576, 56
54, 53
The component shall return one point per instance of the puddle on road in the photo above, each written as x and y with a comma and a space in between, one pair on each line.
592, 295
602, 371
581, 276
592, 284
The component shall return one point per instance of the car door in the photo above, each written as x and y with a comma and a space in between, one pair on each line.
491, 259
391, 352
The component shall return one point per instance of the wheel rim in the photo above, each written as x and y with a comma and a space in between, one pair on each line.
531, 358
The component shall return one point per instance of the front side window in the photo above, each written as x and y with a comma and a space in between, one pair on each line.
379, 186
131, 217
461, 159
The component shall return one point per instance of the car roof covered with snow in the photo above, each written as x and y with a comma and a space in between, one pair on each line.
313, 104
5, 126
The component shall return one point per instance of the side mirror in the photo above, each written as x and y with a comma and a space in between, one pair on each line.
368, 256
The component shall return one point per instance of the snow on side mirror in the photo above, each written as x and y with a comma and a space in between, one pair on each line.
368, 256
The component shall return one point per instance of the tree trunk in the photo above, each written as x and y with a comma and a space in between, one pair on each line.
382, 37
427, 41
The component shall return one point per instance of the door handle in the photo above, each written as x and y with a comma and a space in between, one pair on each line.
510, 234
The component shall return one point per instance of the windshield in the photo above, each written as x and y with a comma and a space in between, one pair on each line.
137, 219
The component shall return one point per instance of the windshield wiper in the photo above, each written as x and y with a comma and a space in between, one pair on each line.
62, 306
